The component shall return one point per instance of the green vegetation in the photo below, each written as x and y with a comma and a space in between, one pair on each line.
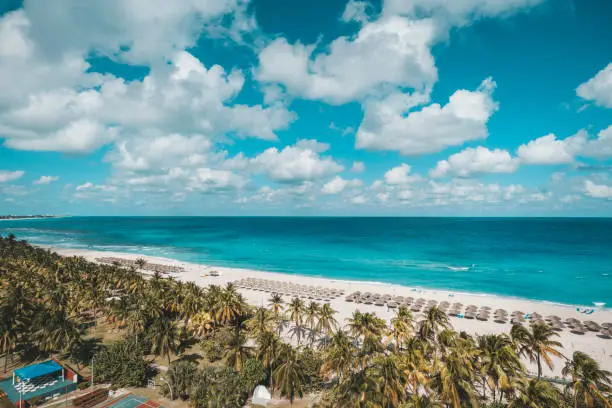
51, 305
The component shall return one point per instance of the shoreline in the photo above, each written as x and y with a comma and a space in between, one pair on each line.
599, 348
607, 307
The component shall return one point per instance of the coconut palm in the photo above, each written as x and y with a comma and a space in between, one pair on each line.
535, 393
201, 323
499, 363
296, 314
432, 323
327, 322
312, 314
289, 375
401, 327
165, 337
454, 379
267, 353
536, 344
261, 322
340, 357
391, 380
237, 351
588, 381
140, 263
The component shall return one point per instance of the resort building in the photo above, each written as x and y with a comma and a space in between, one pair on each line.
38, 382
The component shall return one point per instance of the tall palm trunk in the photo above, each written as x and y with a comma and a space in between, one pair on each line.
539, 366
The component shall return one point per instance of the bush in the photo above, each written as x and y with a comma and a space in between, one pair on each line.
83, 385
35, 401
311, 361
253, 373
213, 345
122, 364
181, 375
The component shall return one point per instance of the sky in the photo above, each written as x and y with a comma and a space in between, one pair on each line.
321, 107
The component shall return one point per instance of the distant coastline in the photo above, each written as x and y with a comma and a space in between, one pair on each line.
29, 217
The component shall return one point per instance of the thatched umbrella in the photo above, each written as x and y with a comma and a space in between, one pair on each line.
572, 322
605, 334
379, 302
500, 320
516, 320
557, 326
469, 315
416, 308
578, 330
607, 325
482, 316
592, 326
349, 298
392, 305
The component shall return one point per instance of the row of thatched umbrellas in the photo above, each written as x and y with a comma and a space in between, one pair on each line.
482, 313
289, 289
148, 265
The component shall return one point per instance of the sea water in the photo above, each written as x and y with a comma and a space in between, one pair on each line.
565, 260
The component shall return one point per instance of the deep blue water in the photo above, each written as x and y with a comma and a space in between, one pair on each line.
565, 260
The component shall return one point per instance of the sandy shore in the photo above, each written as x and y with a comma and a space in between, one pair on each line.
597, 347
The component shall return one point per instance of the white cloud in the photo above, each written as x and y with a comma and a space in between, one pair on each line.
46, 180
477, 160
597, 190
598, 88
352, 67
359, 199
86, 186
52, 102
387, 125
338, 184
6, 176
457, 12
600, 147
550, 150
128, 30
300, 162
401, 175
358, 167
356, 10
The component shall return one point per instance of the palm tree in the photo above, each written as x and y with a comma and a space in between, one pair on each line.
269, 345
588, 381
499, 363
454, 379
535, 393
237, 351
359, 390
201, 323
312, 314
261, 322
296, 313
340, 357
391, 380
140, 263
536, 344
327, 322
401, 327
276, 303
289, 376
433, 322
165, 337
231, 305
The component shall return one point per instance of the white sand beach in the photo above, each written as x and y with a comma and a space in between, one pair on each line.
590, 343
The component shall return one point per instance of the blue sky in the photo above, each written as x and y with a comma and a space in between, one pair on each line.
237, 107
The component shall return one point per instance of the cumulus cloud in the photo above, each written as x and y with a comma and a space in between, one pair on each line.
358, 167
401, 175
597, 190
601, 147
456, 12
550, 150
53, 101
477, 160
300, 162
599, 88
388, 124
6, 176
338, 184
46, 180
351, 67
356, 10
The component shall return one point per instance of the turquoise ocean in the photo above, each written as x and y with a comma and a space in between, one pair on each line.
564, 260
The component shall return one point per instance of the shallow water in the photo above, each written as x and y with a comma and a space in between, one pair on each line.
566, 260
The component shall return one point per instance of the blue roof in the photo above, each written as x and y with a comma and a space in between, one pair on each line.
38, 370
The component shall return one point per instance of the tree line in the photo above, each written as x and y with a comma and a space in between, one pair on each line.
293, 347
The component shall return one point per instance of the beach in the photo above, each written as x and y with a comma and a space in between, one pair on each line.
597, 347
